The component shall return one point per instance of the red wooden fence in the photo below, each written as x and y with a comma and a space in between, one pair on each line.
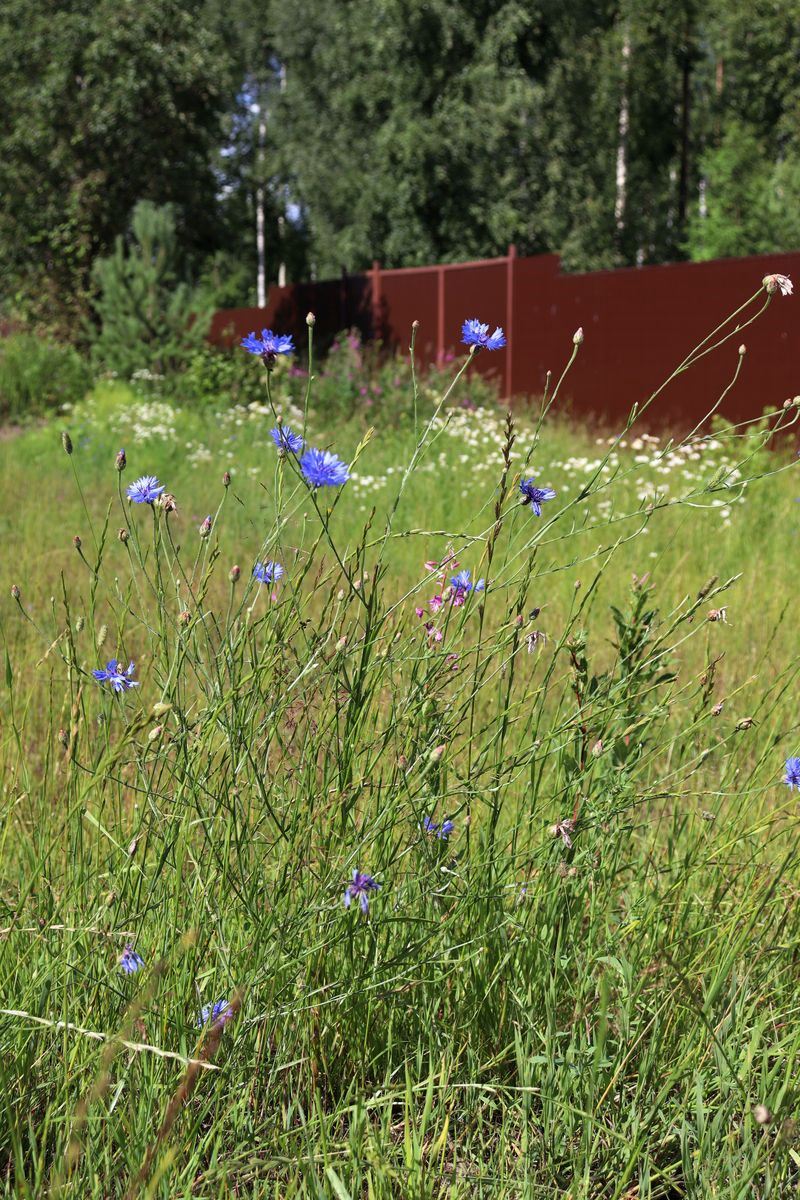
638, 324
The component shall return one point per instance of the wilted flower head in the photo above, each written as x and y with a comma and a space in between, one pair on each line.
120, 462
269, 345
792, 776
123, 535
474, 333
773, 282
286, 439
359, 888
564, 829
323, 469
167, 503
129, 961
213, 1014
268, 572
535, 496
112, 673
145, 490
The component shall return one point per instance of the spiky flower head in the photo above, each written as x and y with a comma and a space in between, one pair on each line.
145, 490
359, 889
268, 572
792, 776
214, 1014
535, 496
286, 439
475, 333
442, 831
129, 961
268, 346
113, 673
323, 469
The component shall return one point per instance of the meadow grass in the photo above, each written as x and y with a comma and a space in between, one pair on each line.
588, 989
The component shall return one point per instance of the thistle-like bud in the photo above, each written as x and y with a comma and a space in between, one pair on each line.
311, 320
102, 634
14, 592
234, 573
226, 479
76, 541
519, 620
577, 337
66, 441
437, 753
123, 535
184, 618
205, 528
120, 462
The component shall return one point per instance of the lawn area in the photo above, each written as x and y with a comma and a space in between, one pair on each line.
568, 968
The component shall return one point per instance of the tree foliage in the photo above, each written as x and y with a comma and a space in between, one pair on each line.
410, 131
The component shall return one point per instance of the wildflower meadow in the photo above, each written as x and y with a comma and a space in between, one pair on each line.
400, 806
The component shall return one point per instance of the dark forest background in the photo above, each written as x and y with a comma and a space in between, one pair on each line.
413, 132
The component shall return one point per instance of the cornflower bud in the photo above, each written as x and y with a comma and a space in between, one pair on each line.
155, 733
120, 462
14, 592
226, 479
234, 573
66, 441
76, 541
123, 535
205, 528
437, 753
742, 349
311, 320
340, 645
745, 723
415, 325
577, 337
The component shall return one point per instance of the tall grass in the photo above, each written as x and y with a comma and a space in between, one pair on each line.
587, 989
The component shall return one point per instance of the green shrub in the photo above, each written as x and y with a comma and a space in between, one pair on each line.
150, 318
214, 376
36, 375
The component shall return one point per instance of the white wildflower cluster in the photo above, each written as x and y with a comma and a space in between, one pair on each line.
146, 421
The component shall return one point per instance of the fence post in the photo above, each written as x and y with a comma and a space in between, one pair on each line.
440, 316
375, 288
509, 373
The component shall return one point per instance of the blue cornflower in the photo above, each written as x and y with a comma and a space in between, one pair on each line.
323, 469
286, 439
129, 961
360, 886
211, 1014
462, 583
535, 496
145, 490
112, 673
268, 572
442, 831
792, 776
269, 345
474, 333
